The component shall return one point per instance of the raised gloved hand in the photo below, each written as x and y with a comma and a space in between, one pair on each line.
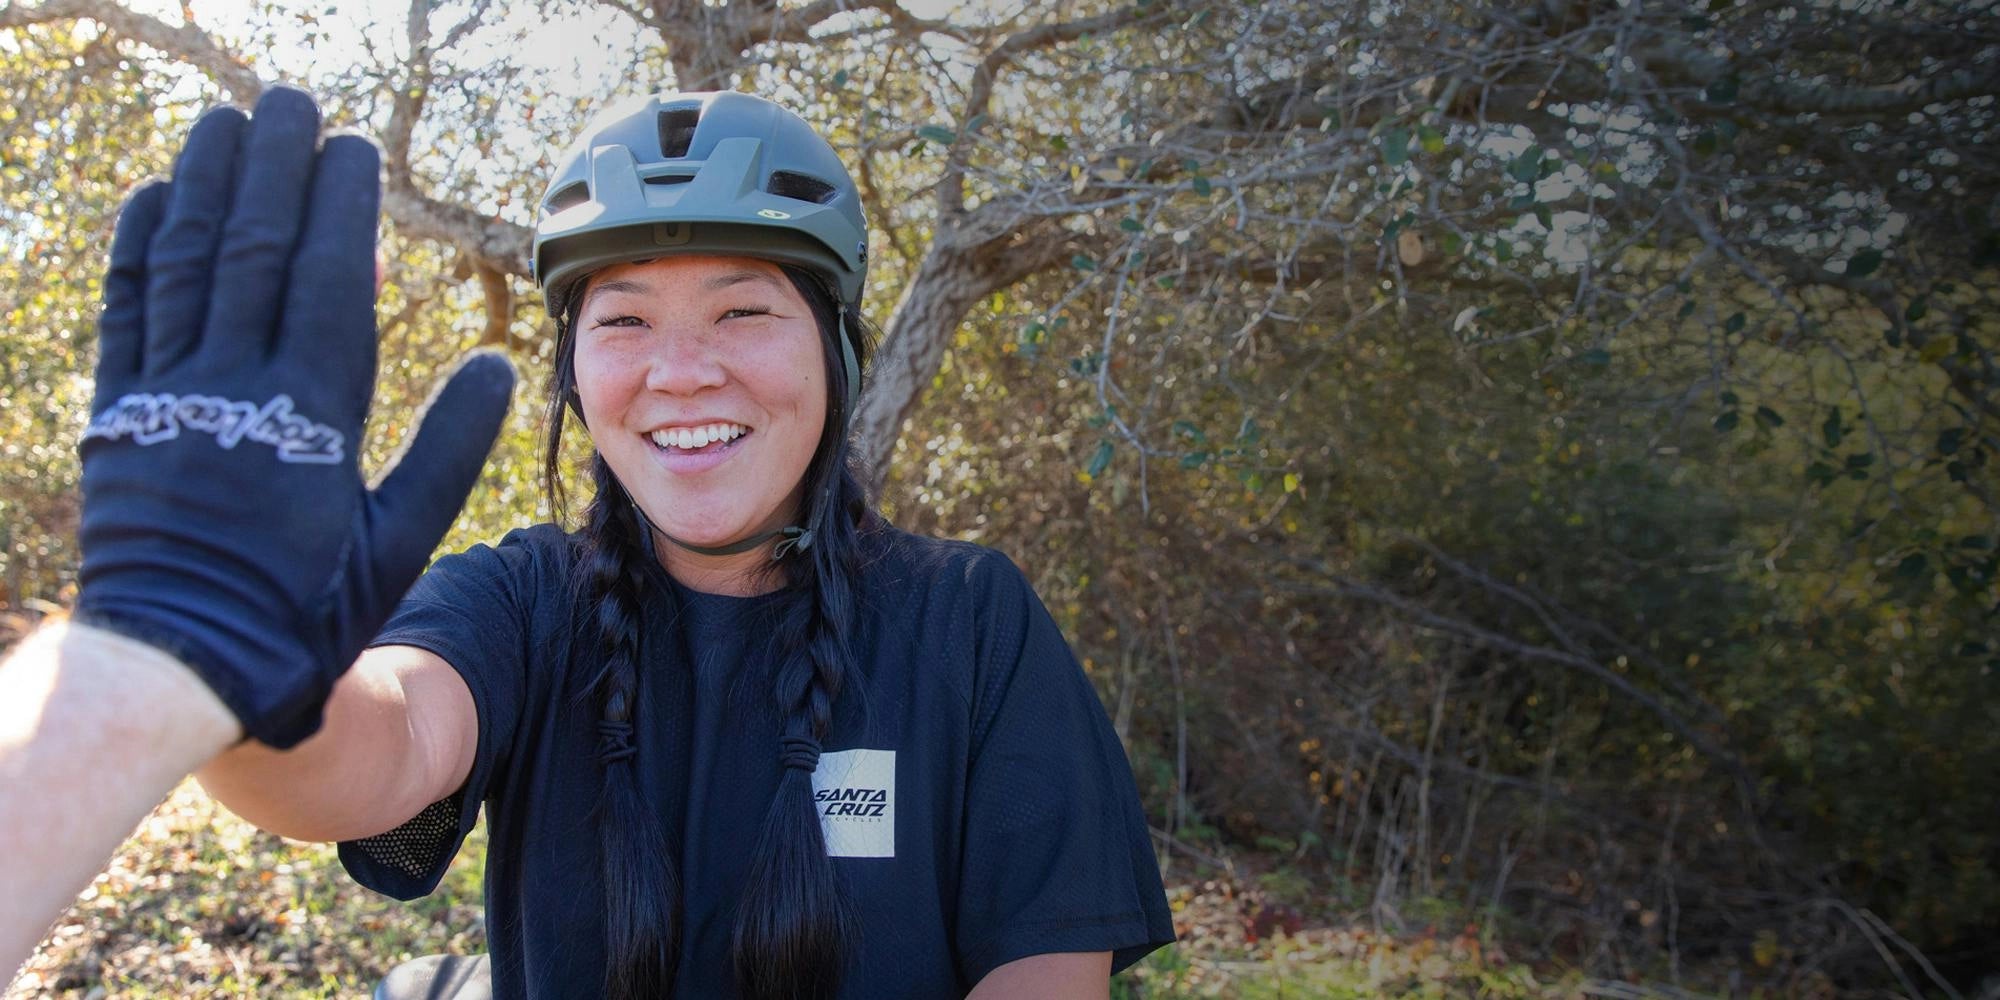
224, 515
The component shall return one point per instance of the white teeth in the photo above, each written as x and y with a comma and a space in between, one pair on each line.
690, 438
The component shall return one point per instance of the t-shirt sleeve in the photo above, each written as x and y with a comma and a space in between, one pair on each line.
1057, 856
474, 610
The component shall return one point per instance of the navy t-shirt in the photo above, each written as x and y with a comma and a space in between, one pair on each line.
971, 787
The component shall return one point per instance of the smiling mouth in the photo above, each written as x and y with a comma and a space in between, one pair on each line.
697, 440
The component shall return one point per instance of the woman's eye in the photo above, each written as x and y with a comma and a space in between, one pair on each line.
617, 321
748, 311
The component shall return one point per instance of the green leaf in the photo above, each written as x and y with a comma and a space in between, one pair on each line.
1059, 143
938, 134
1864, 263
1166, 282
1727, 421
1734, 324
1188, 430
1822, 473
1596, 357
1527, 168
1918, 309
1396, 147
1832, 428
1131, 225
1082, 263
1430, 139
1687, 309
1720, 91
1949, 439
840, 78
1728, 398
1543, 216
1769, 418
1706, 143
1201, 186
1913, 567
1291, 482
1194, 459
1099, 461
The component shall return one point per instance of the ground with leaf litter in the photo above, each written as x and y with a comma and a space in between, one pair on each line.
200, 903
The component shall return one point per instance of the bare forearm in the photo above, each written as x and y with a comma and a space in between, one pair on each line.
370, 766
1056, 976
95, 729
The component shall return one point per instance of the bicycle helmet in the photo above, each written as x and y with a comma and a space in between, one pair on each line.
712, 173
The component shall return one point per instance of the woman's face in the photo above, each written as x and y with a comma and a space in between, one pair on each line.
703, 384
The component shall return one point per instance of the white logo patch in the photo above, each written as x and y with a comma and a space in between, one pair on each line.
855, 793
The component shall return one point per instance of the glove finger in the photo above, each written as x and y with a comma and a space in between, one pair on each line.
121, 327
263, 223
329, 323
423, 491
180, 258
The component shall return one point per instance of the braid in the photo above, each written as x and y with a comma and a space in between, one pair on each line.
642, 889
795, 922
795, 925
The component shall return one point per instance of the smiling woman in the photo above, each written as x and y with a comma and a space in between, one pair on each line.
734, 735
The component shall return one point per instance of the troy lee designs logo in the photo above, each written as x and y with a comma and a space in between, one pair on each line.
150, 418
864, 802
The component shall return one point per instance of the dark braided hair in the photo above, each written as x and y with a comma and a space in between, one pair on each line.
795, 924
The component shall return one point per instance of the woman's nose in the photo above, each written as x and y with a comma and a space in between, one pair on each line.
684, 362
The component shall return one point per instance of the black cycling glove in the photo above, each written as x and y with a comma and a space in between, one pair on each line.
224, 515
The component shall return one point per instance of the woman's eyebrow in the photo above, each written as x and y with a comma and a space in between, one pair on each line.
617, 285
739, 276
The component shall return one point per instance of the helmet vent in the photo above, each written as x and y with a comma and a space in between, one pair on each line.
677, 131
787, 184
667, 179
567, 198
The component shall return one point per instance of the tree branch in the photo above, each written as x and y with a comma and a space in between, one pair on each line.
186, 42
979, 95
1689, 65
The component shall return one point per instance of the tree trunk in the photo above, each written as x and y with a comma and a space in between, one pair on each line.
947, 284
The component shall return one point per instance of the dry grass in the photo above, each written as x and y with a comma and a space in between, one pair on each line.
199, 903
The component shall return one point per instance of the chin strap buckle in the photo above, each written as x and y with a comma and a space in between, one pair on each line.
794, 539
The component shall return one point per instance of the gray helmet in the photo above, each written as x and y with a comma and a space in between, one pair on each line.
714, 173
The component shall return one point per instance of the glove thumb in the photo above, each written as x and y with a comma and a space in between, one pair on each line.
422, 492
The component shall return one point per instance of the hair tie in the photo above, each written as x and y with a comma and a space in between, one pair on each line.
614, 742
801, 752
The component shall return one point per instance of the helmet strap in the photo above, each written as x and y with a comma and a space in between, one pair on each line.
851, 363
792, 538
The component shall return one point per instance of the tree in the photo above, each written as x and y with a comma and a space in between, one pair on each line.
1565, 426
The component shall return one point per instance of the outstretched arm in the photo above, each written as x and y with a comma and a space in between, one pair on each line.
224, 519
95, 729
